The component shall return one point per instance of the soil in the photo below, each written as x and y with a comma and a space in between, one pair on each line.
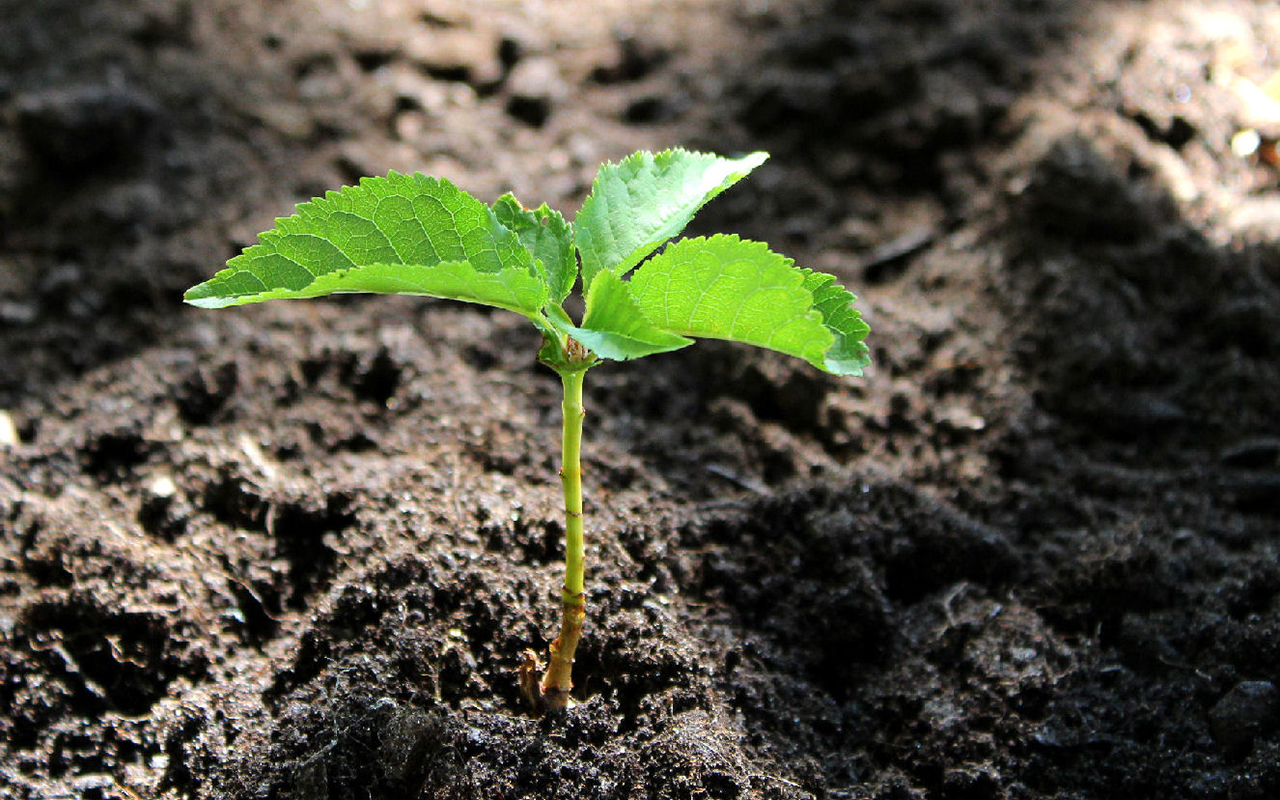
295, 550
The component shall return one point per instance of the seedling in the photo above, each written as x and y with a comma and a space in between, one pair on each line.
415, 235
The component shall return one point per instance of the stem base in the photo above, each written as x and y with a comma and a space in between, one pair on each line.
558, 680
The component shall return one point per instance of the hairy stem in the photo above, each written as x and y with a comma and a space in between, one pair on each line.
558, 679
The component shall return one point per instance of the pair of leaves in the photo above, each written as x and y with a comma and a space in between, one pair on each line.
404, 234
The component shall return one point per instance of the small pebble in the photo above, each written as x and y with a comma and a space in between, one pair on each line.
1249, 710
162, 487
8, 431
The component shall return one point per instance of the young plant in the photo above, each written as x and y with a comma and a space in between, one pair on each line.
411, 234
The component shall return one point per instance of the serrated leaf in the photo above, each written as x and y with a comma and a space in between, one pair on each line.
724, 287
614, 327
644, 200
513, 288
544, 232
410, 220
849, 354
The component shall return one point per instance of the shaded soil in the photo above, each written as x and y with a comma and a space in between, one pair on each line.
294, 551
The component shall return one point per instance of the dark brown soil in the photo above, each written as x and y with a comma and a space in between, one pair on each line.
295, 550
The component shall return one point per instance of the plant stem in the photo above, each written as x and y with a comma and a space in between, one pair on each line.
558, 679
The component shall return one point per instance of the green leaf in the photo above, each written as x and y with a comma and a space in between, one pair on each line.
849, 355
409, 220
544, 233
614, 327
646, 199
513, 288
729, 288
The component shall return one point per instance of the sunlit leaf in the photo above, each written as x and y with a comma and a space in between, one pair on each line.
644, 200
